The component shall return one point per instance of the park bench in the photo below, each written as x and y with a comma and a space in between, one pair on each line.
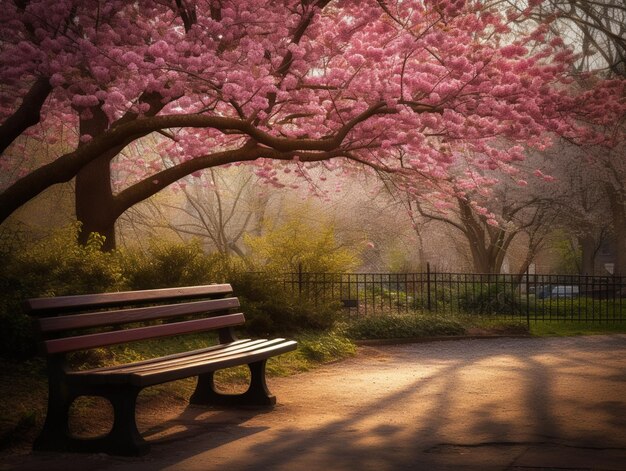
75, 323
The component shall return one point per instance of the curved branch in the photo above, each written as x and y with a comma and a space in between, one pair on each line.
27, 115
247, 153
67, 166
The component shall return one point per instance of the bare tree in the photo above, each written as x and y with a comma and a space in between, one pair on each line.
489, 244
218, 207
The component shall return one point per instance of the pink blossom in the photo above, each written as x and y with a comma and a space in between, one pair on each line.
420, 98
493, 222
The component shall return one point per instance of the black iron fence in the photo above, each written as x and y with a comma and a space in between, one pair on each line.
529, 297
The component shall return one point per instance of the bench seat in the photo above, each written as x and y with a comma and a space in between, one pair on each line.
184, 365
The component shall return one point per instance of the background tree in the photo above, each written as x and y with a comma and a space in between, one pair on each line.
597, 31
492, 221
596, 28
216, 207
579, 200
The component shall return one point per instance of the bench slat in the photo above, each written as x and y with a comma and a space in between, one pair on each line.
83, 342
181, 362
173, 374
124, 316
43, 306
188, 365
157, 359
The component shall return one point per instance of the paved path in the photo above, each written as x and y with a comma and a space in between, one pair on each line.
496, 404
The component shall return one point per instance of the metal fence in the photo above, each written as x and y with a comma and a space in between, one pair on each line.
528, 297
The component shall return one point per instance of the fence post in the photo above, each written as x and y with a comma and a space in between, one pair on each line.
300, 280
528, 297
428, 306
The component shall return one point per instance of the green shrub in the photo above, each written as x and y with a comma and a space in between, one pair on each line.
168, 264
402, 326
490, 299
54, 266
59, 265
272, 309
325, 347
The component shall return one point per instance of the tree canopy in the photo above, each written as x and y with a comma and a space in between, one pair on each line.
411, 87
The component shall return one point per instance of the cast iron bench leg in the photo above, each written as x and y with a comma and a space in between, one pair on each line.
257, 394
55, 435
124, 438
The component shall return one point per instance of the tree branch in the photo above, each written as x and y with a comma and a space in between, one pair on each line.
27, 115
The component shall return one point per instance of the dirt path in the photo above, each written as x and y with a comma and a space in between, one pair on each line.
472, 404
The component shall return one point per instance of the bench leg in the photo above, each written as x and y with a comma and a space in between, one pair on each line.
257, 394
55, 435
124, 437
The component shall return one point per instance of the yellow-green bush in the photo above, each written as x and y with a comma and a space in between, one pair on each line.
297, 245
167, 264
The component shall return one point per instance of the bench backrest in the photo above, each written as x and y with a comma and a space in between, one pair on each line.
210, 305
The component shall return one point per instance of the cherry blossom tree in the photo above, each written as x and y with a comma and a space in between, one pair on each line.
491, 221
597, 30
284, 84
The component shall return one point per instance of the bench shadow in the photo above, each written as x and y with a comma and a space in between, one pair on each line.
195, 420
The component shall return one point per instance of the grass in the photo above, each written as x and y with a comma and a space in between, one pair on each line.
541, 328
566, 328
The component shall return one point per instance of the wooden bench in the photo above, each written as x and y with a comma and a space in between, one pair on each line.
74, 323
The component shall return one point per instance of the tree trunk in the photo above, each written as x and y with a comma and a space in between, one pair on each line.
482, 261
95, 203
96, 206
93, 193
618, 210
588, 248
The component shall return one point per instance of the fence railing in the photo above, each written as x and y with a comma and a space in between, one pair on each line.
531, 297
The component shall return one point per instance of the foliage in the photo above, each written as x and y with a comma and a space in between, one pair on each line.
490, 299
58, 265
325, 347
270, 308
494, 325
570, 253
54, 266
402, 326
296, 244
167, 264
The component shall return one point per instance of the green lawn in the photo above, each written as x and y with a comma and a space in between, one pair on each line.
564, 328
